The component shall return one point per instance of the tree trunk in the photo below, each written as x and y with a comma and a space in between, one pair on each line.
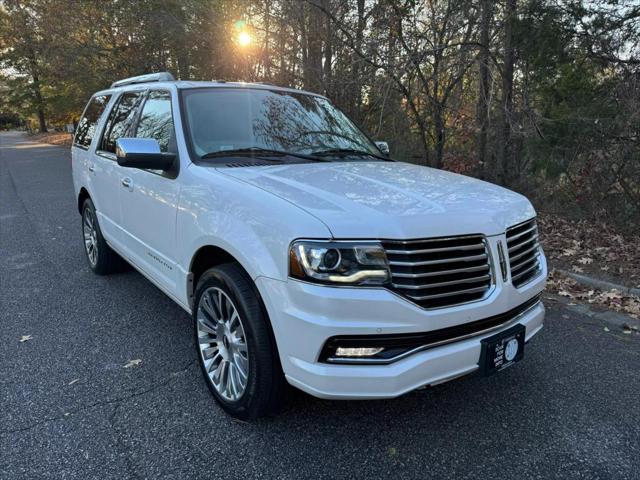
328, 51
282, 74
356, 87
438, 123
266, 56
35, 76
504, 131
312, 43
482, 112
437, 113
182, 55
42, 124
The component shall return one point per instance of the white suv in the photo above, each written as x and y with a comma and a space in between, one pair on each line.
301, 250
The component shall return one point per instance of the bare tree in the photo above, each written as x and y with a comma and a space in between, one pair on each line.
506, 102
482, 112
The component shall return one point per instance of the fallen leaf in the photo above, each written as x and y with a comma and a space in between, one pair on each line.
25, 338
577, 269
132, 363
612, 294
585, 260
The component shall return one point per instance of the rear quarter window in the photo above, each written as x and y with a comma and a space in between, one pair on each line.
87, 126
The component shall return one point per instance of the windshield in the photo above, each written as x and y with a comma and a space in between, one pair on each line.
231, 119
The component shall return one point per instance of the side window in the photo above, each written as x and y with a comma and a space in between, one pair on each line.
156, 120
86, 128
120, 120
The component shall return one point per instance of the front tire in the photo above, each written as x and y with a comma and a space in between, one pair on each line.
101, 258
236, 350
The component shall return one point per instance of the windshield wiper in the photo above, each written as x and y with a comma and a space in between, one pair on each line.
259, 152
345, 152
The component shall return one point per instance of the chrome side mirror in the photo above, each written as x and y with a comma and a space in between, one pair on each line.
142, 153
383, 147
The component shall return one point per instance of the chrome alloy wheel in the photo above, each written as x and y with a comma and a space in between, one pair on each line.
90, 236
222, 343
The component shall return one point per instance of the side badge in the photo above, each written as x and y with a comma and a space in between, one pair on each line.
503, 261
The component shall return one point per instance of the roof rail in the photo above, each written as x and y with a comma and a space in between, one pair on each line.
150, 77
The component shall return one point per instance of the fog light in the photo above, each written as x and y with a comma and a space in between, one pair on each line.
358, 352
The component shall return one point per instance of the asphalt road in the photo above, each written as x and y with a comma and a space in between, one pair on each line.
68, 408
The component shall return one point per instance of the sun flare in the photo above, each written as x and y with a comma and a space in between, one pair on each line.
244, 39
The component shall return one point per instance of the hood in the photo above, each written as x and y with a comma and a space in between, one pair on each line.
390, 200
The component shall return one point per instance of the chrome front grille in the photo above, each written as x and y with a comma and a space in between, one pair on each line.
524, 252
440, 272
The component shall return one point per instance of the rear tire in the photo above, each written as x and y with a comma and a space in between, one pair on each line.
232, 327
100, 256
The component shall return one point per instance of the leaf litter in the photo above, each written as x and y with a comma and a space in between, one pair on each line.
613, 299
590, 248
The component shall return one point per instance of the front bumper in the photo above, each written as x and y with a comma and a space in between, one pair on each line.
305, 316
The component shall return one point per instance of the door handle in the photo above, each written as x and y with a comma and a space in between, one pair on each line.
92, 168
127, 183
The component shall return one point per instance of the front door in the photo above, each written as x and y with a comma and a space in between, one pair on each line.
149, 198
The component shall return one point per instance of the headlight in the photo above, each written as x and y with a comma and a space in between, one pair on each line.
346, 263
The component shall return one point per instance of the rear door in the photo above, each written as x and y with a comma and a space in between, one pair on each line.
149, 201
86, 131
105, 170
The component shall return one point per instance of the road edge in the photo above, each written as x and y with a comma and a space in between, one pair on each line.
599, 284
609, 317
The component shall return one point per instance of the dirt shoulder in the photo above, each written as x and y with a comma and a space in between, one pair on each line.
53, 138
597, 251
593, 249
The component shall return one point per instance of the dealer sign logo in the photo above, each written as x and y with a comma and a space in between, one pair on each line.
511, 350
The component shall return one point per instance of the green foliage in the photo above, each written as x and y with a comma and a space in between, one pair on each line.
407, 71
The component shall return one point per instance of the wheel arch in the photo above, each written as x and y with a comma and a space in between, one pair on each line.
82, 196
206, 257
